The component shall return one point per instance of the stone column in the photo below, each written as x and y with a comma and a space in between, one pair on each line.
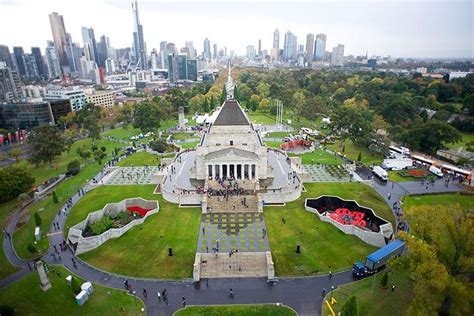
220, 170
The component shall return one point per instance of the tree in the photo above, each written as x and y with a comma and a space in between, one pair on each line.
263, 89
88, 117
47, 143
254, 102
31, 248
124, 114
264, 104
223, 95
236, 93
468, 103
38, 219
245, 92
146, 117
158, 145
73, 167
196, 103
15, 153
350, 307
384, 280
298, 101
359, 156
55, 198
430, 136
75, 286
14, 180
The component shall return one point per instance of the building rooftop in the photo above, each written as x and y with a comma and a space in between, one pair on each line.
231, 114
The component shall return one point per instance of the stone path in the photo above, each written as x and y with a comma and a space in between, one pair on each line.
241, 264
133, 175
242, 231
327, 173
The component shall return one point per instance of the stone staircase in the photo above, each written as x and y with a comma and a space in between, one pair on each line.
218, 204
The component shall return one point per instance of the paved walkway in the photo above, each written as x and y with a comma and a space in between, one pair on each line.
302, 294
327, 173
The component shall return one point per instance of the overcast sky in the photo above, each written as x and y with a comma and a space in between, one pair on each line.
400, 28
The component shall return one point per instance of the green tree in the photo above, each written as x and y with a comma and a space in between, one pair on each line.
55, 198
196, 103
88, 117
384, 280
468, 103
264, 104
430, 136
47, 143
124, 113
158, 145
263, 89
254, 102
31, 248
245, 93
38, 219
15, 153
73, 167
350, 307
146, 117
236, 93
14, 180
75, 286
223, 95
359, 156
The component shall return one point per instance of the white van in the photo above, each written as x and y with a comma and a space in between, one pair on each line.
380, 172
436, 171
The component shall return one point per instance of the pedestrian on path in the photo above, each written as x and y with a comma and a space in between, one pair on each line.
184, 302
231, 294
393, 287
389, 195
159, 296
324, 292
330, 275
145, 294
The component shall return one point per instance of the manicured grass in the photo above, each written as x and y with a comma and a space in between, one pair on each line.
182, 135
466, 201
6, 268
378, 301
352, 152
188, 145
122, 132
261, 118
147, 243
48, 210
272, 144
319, 156
228, 310
140, 159
466, 138
278, 134
27, 298
394, 175
323, 246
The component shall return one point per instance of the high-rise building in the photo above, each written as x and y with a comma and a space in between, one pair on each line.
154, 59
139, 46
251, 52
102, 50
18, 58
214, 52
36, 52
290, 46
52, 61
207, 49
30, 66
320, 47
60, 40
337, 55
276, 39
181, 68
191, 65
6, 57
191, 50
10, 86
310, 47
71, 57
259, 48
90, 44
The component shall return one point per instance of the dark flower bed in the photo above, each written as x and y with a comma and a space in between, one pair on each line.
416, 173
107, 222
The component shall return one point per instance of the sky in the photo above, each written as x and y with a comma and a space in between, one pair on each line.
400, 28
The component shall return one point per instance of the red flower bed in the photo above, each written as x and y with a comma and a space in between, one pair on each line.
418, 173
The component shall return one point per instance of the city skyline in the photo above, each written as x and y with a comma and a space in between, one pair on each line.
370, 30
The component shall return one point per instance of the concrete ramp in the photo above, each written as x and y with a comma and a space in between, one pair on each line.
243, 264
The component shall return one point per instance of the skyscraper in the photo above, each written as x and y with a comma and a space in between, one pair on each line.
139, 48
102, 50
289, 46
214, 51
10, 86
90, 44
52, 61
320, 47
18, 55
276, 39
30, 65
191, 51
251, 52
207, 49
36, 52
259, 48
337, 56
310, 47
60, 39
6, 57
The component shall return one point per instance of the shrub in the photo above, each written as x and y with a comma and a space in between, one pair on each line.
75, 286
6, 310
350, 307
384, 281
158, 145
55, 198
73, 167
31, 248
38, 219
359, 157
102, 225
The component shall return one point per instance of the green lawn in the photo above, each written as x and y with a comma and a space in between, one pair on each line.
5, 210
466, 201
466, 138
272, 144
230, 310
277, 134
394, 175
261, 118
140, 159
27, 298
171, 227
378, 301
122, 132
319, 156
323, 246
188, 145
47, 209
352, 152
182, 135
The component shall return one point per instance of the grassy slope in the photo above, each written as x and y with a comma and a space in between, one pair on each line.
319, 156
352, 152
466, 138
171, 227
122, 133
322, 244
6, 268
247, 310
446, 200
27, 298
140, 159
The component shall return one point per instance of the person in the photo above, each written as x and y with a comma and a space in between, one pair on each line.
231, 294
145, 294
159, 296
324, 292
393, 287
184, 301
330, 275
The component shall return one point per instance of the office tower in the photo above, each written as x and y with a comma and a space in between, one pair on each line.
18, 58
251, 52
181, 68
90, 44
30, 66
289, 46
260, 48
310, 47
207, 49
320, 47
10, 86
171, 47
337, 55
6, 57
163, 45
214, 53
300, 49
60, 40
52, 61
139, 49
192, 69
191, 50
36, 52
70, 47
154, 59
102, 50
109, 66
276, 39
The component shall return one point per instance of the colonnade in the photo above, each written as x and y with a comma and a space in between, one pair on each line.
236, 170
